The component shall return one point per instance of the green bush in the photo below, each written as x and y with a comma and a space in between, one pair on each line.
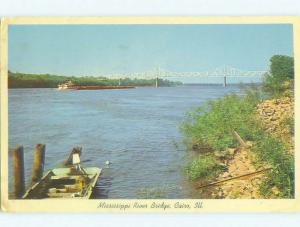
204, 167
213, 124
281, 76
289, 123
282, 67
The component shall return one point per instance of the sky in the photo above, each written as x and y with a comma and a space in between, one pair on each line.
93, 50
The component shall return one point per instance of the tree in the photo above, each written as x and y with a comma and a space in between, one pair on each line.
280, 79
282, 67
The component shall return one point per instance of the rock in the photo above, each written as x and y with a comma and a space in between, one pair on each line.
220, 154
225, 175
274, 118
220, 194
275, 190
273, 113
223, 166
269, 111
249, 144
231, 151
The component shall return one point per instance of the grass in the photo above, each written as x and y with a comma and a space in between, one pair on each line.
211, 127
272, 151
205, 167
289, 122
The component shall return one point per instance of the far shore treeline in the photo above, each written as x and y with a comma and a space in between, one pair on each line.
22, 80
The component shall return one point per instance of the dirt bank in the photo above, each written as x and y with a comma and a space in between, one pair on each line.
245, 187
276, 115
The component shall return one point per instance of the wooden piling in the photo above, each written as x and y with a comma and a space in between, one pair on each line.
38, 163
19, 177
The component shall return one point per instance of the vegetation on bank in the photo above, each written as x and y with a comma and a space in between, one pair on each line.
211, 128
21, 80
280, 80
206, 167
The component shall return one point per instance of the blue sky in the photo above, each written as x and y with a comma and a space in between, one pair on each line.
106, 49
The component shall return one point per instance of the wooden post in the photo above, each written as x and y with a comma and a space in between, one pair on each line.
38, 163
18, 159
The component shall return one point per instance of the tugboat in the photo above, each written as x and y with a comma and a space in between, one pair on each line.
68, 85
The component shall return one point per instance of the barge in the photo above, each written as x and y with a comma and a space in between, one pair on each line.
71, 85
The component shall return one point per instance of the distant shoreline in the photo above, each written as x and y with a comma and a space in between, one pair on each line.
142, 86
22, 80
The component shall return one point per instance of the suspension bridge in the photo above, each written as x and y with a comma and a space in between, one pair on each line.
220, 72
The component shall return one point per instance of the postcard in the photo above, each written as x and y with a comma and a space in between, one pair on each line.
150, 114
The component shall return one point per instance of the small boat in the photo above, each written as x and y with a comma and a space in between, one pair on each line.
66, 182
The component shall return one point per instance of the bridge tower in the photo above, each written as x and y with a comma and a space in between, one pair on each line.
157, 76
225, 81
225, 72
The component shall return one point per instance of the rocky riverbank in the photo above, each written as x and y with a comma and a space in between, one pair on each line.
244, 175
277, 116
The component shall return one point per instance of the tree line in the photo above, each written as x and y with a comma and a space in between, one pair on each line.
23, 80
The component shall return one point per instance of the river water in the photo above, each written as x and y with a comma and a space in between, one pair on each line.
137, 130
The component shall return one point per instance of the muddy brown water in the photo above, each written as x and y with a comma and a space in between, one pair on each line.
137, 130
